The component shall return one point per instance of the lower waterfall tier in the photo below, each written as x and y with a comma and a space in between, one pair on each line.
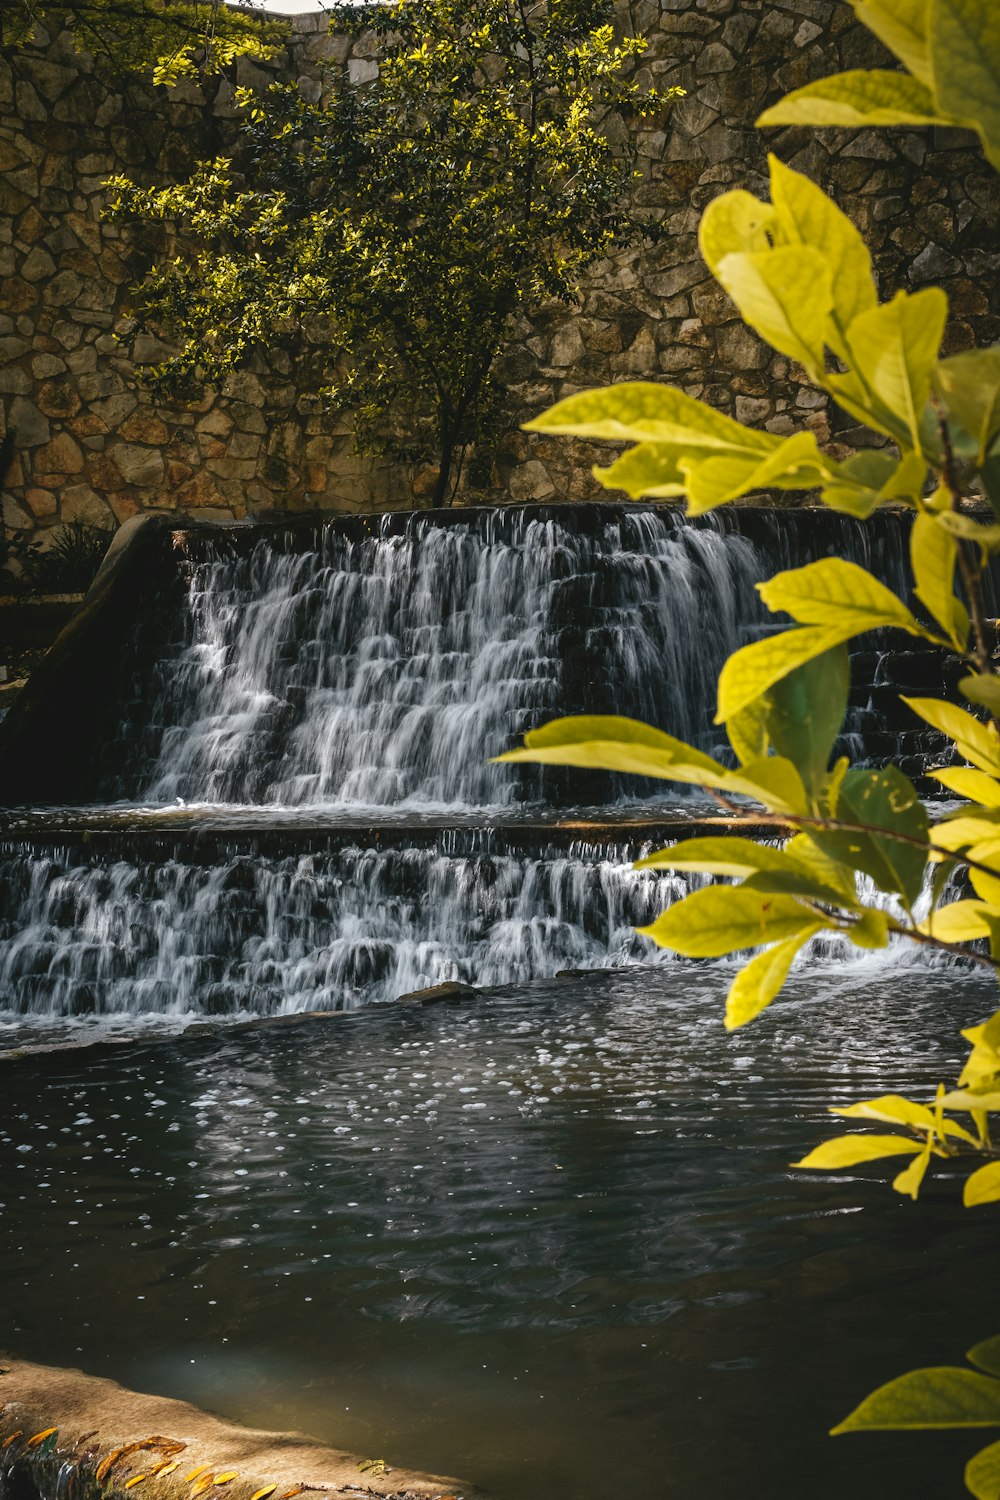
236, 929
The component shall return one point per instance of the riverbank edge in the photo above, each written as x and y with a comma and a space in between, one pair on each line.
63, 1432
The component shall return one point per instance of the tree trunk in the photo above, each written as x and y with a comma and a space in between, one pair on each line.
446, 462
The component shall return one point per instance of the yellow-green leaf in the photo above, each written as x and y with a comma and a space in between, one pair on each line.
807, 710
838, 594
648, 469
871, 930
889, 837
613, 743
937, 1397
721, 856
786, 295
969, 384
983, 1186
760, 980
893, 348
964, 829
796, 465
732, 223
808, 217
961, 922
974, 785
983, 689
642, 411
986, 886
854, 1150
747, 731
964, 49
752, 670
721, 919
857, 99
986, 1355
978, 742
968, 1099
934, 554
889, 1107
982, 1472
902, 26
911, 1178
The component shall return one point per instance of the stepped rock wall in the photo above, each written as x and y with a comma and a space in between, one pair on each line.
92, 446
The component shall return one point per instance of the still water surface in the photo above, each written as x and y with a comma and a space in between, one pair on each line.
547, 1240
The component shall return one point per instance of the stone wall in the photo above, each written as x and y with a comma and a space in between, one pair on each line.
90, 444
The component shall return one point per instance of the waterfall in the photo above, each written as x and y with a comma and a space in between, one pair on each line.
386, 669
359, 675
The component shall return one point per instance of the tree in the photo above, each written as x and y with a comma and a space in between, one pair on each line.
406, 220
172, 39
800, 275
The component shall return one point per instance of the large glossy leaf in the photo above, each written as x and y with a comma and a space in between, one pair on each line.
902, 26
723, 856
807, 709
959, 922
860, 98
983, 1186
884, 800
613, 743
760, 980
986, 1355
889, 1108
965, 57
753, 670
910, 1179
934, 554
840, 595
808, 217
733, 223
868, 479
978, 742
796, 465
640, 411
982, 688
853, 1150
974, 785
785, 295
982, 1473
964, 829
653, 469
969, 384
938, 1397
721, 919
747, 731
893, 349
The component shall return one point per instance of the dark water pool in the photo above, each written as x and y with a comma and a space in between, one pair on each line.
547, 1240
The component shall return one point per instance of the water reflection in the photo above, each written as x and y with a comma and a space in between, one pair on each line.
547, 1240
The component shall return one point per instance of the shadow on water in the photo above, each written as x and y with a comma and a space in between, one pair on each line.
548, 1240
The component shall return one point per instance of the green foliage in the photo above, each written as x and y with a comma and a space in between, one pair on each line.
404, 222
168, 39
69, 564
801, 276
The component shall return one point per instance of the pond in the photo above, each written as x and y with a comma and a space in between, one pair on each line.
546, 1238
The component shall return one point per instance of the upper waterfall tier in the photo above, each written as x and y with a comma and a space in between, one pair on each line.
382, 663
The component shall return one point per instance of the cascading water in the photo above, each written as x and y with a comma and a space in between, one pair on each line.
385, 670
375, 667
